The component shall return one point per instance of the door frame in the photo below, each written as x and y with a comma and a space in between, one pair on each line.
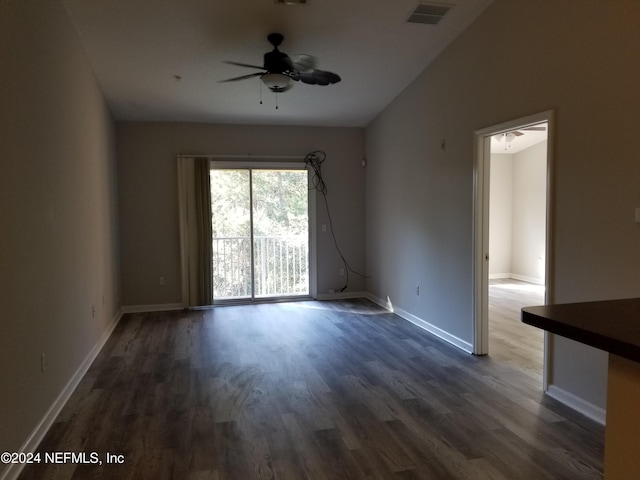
185, 177
271, 163
481, 229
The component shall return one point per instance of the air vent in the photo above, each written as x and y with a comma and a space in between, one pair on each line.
290, 2
429, 14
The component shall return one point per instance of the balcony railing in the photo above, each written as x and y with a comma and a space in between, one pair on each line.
281, 266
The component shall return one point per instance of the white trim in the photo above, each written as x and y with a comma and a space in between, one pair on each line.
33, 440
247, 157
248, 164
481, 228
588, 409
515, 276
480, 311
162, 307
432, 329
494, 276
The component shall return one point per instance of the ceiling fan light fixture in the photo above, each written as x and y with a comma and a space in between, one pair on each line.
276, 81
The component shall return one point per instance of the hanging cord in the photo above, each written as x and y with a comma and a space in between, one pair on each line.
314, 161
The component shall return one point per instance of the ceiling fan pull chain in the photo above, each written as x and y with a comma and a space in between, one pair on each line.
260, 83
276, 100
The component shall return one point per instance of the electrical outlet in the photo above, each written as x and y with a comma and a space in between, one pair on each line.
417, 289
161, 281
43, 363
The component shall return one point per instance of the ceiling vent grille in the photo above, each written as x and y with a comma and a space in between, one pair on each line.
429, 14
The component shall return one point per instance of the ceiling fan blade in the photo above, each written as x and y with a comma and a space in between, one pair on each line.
243, 64
329, 77
302, 62
243, 77
316, 77
517, 133
307, 78
538, 129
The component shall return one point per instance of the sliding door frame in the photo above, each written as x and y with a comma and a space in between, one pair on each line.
273, 164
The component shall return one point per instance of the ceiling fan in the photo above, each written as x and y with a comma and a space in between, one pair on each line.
279, 69
512, 134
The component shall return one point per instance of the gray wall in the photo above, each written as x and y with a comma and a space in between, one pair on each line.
518, 58
57, 210
147, 179
501, 215
529, 212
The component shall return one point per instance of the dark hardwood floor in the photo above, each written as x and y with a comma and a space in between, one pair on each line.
310, 390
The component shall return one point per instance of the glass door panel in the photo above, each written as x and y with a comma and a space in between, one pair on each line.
231, 221
263, 251
280, 233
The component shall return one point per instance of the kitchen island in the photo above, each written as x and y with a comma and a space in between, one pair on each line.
612, 326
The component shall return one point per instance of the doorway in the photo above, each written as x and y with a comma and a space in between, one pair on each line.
261, 232
511, 234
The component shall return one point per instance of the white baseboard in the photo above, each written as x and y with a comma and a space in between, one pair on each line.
340, 295
493, 276
595, 413
38, 433
432, 329
163, 307
515, 276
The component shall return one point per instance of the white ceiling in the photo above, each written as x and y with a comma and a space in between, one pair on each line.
138, 47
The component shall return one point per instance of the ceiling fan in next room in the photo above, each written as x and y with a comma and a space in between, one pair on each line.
510, 135
279, 69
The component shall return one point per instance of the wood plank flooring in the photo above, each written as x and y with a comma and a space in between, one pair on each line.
511, 341
310, 390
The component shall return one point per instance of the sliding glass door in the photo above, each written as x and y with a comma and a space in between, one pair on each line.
260, 220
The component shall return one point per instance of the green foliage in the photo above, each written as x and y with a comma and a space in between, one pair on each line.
279, 202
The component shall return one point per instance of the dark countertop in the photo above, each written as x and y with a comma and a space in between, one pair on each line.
610, 325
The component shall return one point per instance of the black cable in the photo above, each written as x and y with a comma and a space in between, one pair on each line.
314, 161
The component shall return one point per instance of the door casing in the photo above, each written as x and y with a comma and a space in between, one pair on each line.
481, 229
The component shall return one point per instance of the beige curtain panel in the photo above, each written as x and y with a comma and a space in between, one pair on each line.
195, 231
